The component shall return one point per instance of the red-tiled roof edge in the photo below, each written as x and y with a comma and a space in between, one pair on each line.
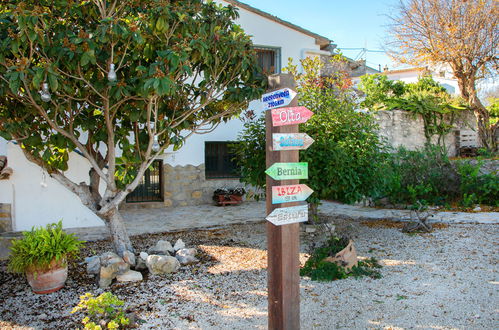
319, 40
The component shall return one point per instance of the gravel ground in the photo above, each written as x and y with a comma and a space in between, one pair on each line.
447, 279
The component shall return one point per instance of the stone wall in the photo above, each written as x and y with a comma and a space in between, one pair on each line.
187, 185
402, 128
5, 217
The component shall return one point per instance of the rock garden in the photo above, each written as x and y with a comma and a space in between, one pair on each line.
217, 278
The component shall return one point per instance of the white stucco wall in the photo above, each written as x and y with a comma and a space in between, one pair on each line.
34, 204
264, 32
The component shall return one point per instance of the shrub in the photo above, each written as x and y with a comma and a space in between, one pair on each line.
346, 159
424, 175
42, 246
102, 311
320, 270
477, 188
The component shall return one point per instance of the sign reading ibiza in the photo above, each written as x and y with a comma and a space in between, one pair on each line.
279, 98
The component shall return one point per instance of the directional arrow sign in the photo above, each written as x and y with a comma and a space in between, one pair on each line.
279, 98
290, 193
288, 171
287, 215
291, 141
290, 116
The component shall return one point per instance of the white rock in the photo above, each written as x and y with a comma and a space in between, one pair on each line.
143, 255
130, 276
477, 209
162, 264
179, 244
187, 256
162, 247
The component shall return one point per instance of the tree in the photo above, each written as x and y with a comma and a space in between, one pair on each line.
119, 81
345, 161
462, 34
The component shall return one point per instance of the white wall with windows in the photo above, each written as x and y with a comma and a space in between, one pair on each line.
37, 199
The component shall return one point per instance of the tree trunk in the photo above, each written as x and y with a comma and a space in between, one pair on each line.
119, 234
469, 93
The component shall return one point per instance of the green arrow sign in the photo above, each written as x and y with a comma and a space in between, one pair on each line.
288, 171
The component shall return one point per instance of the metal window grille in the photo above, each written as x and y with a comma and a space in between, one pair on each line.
150, 186
219, 161
269, 59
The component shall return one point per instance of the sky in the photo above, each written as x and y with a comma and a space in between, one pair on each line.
349, 23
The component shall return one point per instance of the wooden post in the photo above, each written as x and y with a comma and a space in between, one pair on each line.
283, 242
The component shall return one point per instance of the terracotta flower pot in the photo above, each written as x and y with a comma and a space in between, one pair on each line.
48, 280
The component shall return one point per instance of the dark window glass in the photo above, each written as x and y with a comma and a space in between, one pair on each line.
269, 59
149, 188
219, 160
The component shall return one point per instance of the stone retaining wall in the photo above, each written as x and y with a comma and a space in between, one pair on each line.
5, 217
187, 185
402, 128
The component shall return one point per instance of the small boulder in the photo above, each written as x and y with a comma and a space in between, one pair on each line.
179, 245
129, 258
162, 264
141, 261
477, 208
129, 276
93, 265
111, 266
108, 258
162, 247
186, 256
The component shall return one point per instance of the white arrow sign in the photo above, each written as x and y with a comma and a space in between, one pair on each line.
279, 98
287, 215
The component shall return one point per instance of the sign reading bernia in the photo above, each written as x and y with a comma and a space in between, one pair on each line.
288, 171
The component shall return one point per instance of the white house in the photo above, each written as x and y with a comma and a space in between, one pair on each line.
440, 73
185, 177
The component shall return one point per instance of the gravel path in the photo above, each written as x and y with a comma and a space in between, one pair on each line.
447, 279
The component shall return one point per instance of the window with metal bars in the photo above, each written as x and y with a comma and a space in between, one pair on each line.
219, 160
269, 59
150, 186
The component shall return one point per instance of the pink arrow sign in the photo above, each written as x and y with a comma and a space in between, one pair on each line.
290, 193
290, 116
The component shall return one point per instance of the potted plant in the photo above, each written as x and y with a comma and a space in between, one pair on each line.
42, 254
224, 196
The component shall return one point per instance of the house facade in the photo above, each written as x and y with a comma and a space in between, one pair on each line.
440, 73
178, 178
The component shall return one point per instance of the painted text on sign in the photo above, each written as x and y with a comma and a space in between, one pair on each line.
290, 116
279, 98
288, 215
288, 171
290, 141
290, 193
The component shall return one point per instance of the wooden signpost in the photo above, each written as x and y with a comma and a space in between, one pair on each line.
284, 170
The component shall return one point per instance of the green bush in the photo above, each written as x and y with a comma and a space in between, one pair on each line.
477, 188
346, 159
41, 246
319, 270
104, 310
424, 175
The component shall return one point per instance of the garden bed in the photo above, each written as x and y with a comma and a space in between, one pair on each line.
444, 279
